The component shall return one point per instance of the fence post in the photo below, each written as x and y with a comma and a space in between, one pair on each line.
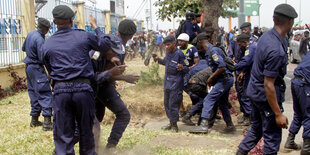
107, 21
80, 14
28, 17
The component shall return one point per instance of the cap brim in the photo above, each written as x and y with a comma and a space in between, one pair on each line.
117, 50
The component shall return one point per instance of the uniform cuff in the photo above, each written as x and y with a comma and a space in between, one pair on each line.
271, 73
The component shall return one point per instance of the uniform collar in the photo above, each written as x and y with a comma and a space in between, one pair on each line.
41, 33
121, 40
281, 39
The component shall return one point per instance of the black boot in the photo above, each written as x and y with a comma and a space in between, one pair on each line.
306, 147
290, 143
110, 149
35, 121
110, 145
202, 128
187, 120
229, 127
47, 124
174, 127
166, 127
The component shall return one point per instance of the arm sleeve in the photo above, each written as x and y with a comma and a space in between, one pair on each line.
98, 31
230, 52
100, 43
217, 58
39, 44
45, 60
195, 52
162, 61
189, 30
101, 77
273, 62
24, 46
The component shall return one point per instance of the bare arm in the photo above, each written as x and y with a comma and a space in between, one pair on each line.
271, 95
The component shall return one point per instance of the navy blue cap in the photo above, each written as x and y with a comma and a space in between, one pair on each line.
127, 27
246, 24
116, 44
202, 36
44, 22
243, 37
62, 12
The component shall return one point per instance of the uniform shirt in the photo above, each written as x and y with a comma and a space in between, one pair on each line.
66, 53
196, 28
253, 39
174, 79
303, 68
270, 60
159, 39
234, 51
190, 53
99, 66
215, 58
245, 65
189, 29
33, 47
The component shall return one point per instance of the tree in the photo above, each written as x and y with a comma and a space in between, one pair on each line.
212, 9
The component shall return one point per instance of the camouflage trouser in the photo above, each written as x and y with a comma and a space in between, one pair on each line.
152, 50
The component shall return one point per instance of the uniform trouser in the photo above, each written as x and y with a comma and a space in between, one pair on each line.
301, 106
244, 100
112, 100
39, 90
263, 125
172, 102
71, 108
218, 95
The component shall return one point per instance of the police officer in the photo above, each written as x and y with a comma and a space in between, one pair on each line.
235, 53
244, 68
267, 87
66, 57
174, 81
189, 27
37, 81
105, 76
191, 59
301, 99
221, 80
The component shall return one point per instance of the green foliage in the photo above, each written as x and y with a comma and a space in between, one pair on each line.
178, 8
151, 77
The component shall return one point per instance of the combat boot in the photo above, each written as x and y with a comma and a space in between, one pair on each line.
246, 120
202, 128
47, 124
187, 120
229, 127
290, 143
110, 149
166, 127
35, 121
174, 127
306, 147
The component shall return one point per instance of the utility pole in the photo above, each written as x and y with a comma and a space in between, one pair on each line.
151, 14
299, 10
241, 17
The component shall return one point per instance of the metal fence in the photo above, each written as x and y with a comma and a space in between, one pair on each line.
97, 13
10, 32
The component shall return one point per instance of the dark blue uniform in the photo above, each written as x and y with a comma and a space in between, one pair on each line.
245, 66
107, 96
300, 87
190, 30
173, 83
235, 53
39, 90
219, 94
270, 60
66, 56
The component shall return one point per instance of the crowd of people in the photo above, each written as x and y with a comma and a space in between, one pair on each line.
82, 69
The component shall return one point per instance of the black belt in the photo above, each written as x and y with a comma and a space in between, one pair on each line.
300, 78
79, 80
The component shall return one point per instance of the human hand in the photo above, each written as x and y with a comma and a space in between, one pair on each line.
117, 70
93, 21
132, 79
116, 61
209, 82
281, 121
240, 77
180, 67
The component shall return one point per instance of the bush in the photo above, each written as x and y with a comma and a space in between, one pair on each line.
151, 77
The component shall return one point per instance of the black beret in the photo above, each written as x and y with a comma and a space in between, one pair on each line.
44, 22
202, 36
243, 37
286, 11
62, 12
169, 39
246, 24
127, 27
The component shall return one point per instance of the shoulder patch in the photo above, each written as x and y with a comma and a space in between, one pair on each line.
247, 52
215, 57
